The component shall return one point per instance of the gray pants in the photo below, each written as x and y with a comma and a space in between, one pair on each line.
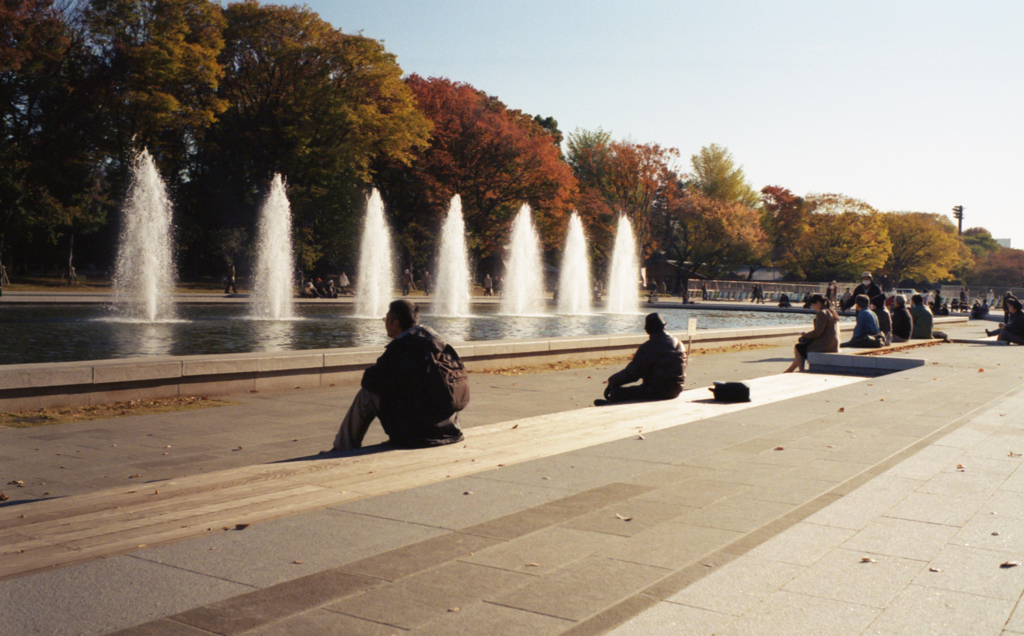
357, 421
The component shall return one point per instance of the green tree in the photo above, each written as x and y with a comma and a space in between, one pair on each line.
717, 175
845, 237
313, 103
980, 242
157, 73
925, 247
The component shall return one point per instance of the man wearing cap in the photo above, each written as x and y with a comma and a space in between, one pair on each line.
660, 363
867, 287
1013, 329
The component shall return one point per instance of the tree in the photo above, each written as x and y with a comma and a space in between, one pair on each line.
716, 175
845, 237
1004, 268
925, 247
620, 177
495, 158
310, 102
157, 72
784, 219
707, 234
980, 242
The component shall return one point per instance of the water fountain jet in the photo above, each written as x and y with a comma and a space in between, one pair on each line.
624, 273
144, 268
451, 296
375, 277
574, 280
274, 286
523, 288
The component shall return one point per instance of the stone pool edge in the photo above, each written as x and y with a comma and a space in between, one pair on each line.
73, 384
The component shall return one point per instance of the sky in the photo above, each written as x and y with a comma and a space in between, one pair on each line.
909, 106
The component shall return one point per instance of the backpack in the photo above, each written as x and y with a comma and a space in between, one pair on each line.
731, 392
448, 379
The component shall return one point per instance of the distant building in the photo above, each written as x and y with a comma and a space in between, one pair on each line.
1003, 242
762, 274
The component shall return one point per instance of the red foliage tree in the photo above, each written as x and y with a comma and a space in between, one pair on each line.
495, 158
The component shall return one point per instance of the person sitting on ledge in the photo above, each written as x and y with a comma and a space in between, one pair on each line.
866, 334
923, 320
884, 318
824, 338
902, 321
415, 411
1012, 330
660, 363
784, 301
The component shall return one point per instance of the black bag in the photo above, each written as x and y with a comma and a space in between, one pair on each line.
731, 392
448, 378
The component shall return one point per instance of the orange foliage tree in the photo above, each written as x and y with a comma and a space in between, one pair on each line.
494, 157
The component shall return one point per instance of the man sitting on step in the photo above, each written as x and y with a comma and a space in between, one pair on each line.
416, 388
660, 363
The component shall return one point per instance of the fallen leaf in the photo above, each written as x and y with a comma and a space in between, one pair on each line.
779, 448
241, 526
1009, 564
237, 449
533, 565
468, 492
995, 534
516, 426
830, 446
156, 492
618, 516
960, 468
934, 570
640, 437
454, 609
298, 562
1013, 454
867, 560
3, 497
842, 409
981, 370
545, 478
135, 476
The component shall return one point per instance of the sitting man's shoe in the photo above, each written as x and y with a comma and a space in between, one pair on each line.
988, 333
600, 402
327, 452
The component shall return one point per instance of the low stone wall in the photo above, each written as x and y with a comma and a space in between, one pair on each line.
72, 384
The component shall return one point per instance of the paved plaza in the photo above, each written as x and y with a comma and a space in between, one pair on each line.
883, 505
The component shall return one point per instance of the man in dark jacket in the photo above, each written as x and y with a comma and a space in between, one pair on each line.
867, 287
660, 363
397, 389
902, 321
1013, 329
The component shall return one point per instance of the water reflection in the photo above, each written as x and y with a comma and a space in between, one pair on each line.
83, 332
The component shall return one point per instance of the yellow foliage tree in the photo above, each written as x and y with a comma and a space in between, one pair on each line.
925, 247
845, 236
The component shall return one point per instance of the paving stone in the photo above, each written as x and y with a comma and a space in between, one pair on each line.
666, 476
934, 508
749, 473
801, 615
740, 514
992, 532
103, 596
162, 627
962, 484
493, 620
544, 551
601, 496
828, 470
974, 571
627, 518
923, 610
901, 538
426, 596
669, 619
671, 545
417, 557
694, 493
446, 504
802, 544
886, 488
524, 522
926, 463
840, 575
320, 540
789, 490
570, 471
321, 622
737, 586
262, 607
1004, 503
581, 588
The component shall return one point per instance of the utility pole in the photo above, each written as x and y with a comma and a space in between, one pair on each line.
958, 214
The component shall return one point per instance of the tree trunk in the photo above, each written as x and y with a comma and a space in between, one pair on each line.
72, 276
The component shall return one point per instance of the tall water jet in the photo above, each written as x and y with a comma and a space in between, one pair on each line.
625, 272
523, 287
144, 269
574, 281
452, 282
375, 277
273, 287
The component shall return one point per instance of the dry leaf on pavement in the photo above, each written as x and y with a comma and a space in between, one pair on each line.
867, 560
1009, 564
3, 497
779, 448
618, 516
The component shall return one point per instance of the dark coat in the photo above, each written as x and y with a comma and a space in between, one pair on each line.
660, 363
870, 291
411, 416
902, 323
884, 322
1015, 324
